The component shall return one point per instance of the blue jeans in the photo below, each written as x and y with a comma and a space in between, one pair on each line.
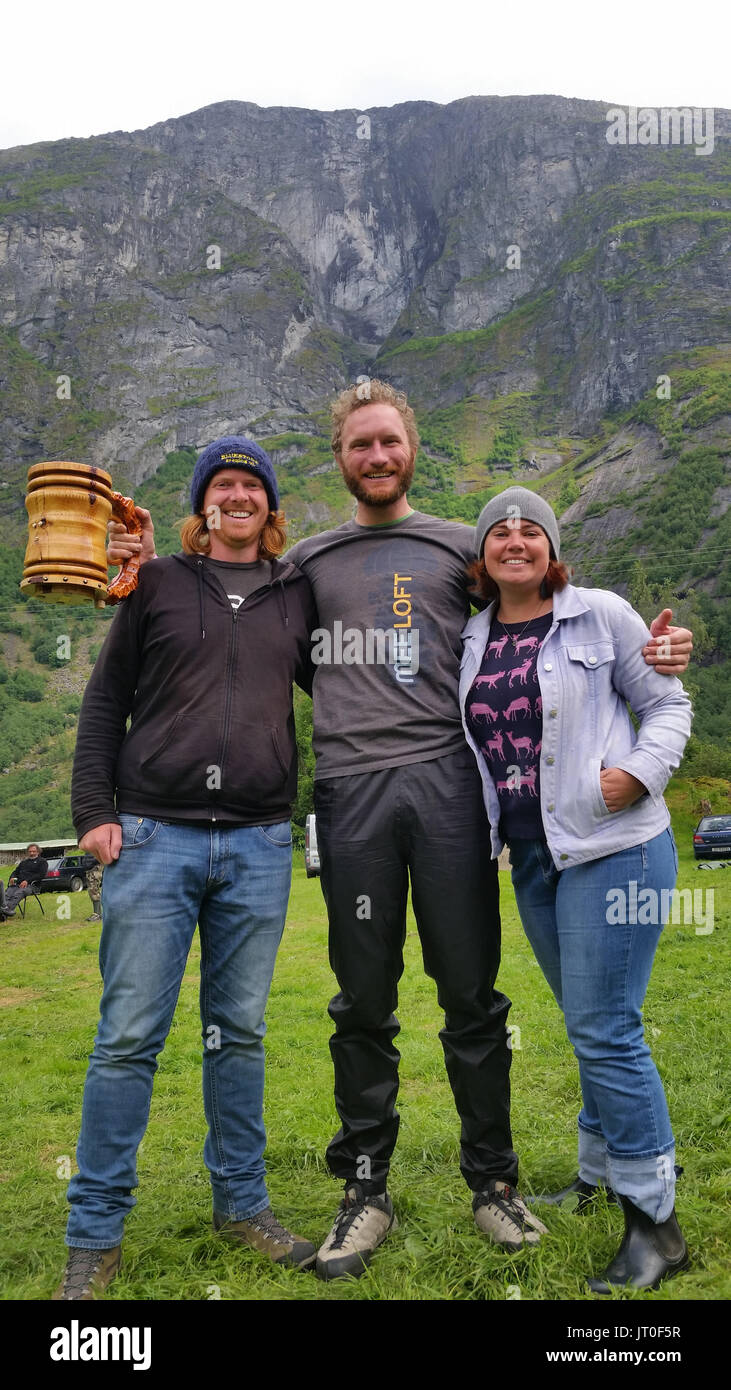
235, 883
597, 960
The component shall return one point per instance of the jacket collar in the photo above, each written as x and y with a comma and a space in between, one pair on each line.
282, 570
567, 603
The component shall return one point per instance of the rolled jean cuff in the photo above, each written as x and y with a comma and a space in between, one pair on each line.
91, 1244
592, 1157
649, 1181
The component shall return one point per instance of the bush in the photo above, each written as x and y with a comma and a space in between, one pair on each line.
25, 685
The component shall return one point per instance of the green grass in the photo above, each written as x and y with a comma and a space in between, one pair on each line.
49, 1002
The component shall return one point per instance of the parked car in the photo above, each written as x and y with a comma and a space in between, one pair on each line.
712, 837
312, 853
67, 875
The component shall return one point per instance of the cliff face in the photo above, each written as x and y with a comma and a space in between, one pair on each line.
233, 268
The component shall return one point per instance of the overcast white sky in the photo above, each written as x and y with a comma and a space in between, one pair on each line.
76, 68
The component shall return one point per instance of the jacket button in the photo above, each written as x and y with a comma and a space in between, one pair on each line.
551, 806
563, 856
552, 713
550, 761
548, 666
592, 660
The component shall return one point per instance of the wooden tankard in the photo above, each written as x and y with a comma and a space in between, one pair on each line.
69, 505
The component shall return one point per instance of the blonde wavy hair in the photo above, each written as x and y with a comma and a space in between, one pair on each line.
196, 538
370, 392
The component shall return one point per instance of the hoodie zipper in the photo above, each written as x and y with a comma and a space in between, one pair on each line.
232, 649
229, 690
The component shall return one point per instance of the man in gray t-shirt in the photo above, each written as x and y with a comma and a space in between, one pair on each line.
392, 602
399, 802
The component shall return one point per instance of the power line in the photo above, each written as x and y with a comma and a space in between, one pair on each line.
656, 558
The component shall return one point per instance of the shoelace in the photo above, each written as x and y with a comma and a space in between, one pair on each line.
510, 1206
345, 1220
267, 1223
83, 1264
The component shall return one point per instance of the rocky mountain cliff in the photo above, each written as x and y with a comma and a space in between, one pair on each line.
231, 269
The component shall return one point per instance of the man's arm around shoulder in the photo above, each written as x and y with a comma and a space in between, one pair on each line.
102, 725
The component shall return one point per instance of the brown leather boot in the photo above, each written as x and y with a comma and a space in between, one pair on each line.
264, 1233
86, 1271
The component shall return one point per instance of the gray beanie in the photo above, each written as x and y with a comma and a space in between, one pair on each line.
518, 503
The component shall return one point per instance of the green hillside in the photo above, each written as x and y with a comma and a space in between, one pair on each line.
639, 515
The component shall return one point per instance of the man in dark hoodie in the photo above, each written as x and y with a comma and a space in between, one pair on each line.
188, 810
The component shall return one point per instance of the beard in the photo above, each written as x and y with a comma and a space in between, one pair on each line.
399, 483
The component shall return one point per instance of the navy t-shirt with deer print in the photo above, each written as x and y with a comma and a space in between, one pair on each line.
505, 717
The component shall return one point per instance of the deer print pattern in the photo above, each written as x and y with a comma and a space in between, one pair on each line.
509, 730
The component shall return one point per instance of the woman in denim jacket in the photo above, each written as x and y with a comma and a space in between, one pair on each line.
547, 673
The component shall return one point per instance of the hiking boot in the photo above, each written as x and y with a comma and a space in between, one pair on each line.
502, 1215
95, 917
361, 1223
264, 1233
86, 1271
576, 1197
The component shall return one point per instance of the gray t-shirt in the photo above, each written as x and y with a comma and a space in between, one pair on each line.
240, 580
392, 601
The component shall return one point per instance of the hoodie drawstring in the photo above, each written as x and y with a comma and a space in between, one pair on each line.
278, 584
199, 568
283, 601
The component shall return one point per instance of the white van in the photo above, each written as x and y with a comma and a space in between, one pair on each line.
312, 853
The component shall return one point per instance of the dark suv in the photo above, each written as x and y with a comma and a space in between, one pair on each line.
67, 874
712, 836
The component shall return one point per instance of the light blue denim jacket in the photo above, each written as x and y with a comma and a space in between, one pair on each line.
588, 667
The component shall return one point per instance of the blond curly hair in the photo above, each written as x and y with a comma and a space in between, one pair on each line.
370, 392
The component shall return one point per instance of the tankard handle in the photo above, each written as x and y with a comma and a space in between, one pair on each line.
123, 509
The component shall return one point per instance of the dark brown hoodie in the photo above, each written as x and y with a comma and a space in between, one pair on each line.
209, 694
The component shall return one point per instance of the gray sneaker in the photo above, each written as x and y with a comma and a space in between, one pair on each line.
267, 1235
361, 1223
88, 1272
503, 1216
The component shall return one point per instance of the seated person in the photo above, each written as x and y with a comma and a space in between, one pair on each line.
24, 880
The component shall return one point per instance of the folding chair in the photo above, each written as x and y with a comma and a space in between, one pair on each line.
23, 901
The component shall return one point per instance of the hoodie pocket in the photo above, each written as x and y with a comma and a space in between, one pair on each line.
182, 764
259, 764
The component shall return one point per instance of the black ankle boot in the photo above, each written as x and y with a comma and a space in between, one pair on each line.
585, 1191
650, 1251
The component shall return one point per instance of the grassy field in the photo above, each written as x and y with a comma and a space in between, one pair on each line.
49, 999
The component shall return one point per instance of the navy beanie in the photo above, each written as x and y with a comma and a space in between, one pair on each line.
233, 451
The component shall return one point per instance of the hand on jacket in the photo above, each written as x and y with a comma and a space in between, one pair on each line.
670, 651
619, 788
104, 842
122, 546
